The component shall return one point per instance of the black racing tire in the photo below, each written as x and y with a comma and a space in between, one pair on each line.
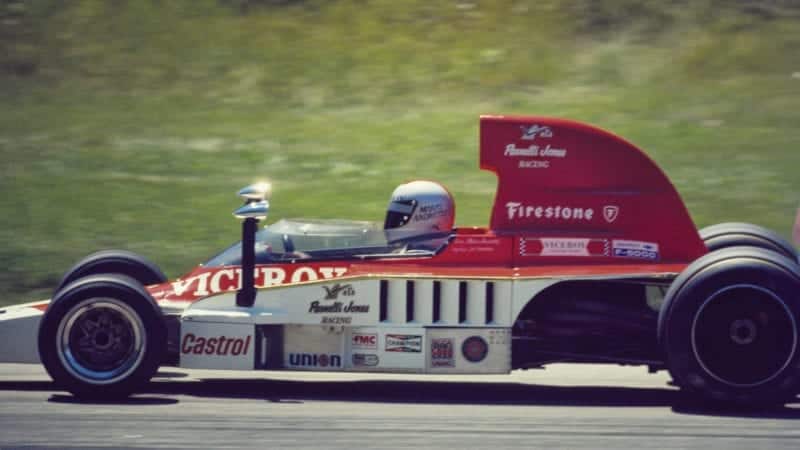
115, 261
102, 337
735, 234
729, 327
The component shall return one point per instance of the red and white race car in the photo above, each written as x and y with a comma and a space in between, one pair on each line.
590, 256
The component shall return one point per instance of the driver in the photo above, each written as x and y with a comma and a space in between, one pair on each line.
420, 216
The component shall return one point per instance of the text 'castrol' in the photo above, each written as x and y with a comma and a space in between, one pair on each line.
220, 345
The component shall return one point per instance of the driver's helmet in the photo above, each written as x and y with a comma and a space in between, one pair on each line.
420, 208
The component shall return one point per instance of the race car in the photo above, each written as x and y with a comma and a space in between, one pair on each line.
590, 256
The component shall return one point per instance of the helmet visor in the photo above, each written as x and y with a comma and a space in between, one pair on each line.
399, 213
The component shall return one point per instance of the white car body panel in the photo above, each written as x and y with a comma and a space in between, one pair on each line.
19, 330
363, 324
312, 325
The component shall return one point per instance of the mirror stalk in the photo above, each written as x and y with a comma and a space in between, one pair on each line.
254, 209
246, 296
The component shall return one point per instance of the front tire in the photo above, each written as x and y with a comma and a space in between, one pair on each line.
102, 337
114, 261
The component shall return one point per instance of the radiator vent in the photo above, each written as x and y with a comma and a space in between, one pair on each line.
383, 308
462, 301
442, 302
409, 301
437, 301
489, 302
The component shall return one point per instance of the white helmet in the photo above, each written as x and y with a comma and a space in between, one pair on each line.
420, 208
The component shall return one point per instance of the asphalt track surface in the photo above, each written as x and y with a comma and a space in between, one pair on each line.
564, 406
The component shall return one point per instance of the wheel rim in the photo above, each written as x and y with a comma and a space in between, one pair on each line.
101, 340
744, 336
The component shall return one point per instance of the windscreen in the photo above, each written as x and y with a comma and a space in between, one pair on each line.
288, 240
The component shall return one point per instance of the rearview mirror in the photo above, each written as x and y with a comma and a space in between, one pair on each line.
256, 192
253, 210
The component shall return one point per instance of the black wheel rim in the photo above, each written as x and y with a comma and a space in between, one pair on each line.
744, 336
101, 340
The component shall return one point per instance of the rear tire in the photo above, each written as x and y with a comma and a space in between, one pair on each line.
102, 337
729, 327
115, 261
734, 234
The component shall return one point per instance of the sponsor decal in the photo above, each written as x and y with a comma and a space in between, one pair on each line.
229, 279
533, 164
530, 132
475, 245
564, 247
429, 211
512, 150
442, 353
316, 307
314, 360
336, 320
535, 151
499, 337
219, 345
332, 293
403, 343
365, 360
367, 341
517, 210
474, 349
635, 249
610, 213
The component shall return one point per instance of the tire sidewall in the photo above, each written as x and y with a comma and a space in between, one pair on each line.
124, 289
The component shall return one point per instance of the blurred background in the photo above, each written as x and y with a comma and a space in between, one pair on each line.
132, 123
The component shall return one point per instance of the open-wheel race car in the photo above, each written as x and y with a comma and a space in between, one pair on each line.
590, 256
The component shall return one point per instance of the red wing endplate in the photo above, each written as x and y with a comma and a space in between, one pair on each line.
558, 177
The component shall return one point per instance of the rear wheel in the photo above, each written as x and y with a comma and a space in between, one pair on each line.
734, 234
729, 327
744, 335
102, 337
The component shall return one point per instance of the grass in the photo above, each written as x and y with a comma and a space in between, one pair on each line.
142, 119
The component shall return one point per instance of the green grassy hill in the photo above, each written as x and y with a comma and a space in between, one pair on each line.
131, 124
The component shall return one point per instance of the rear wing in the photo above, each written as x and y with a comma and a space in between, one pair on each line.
558, 177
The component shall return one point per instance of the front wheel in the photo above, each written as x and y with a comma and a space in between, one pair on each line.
102, 337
